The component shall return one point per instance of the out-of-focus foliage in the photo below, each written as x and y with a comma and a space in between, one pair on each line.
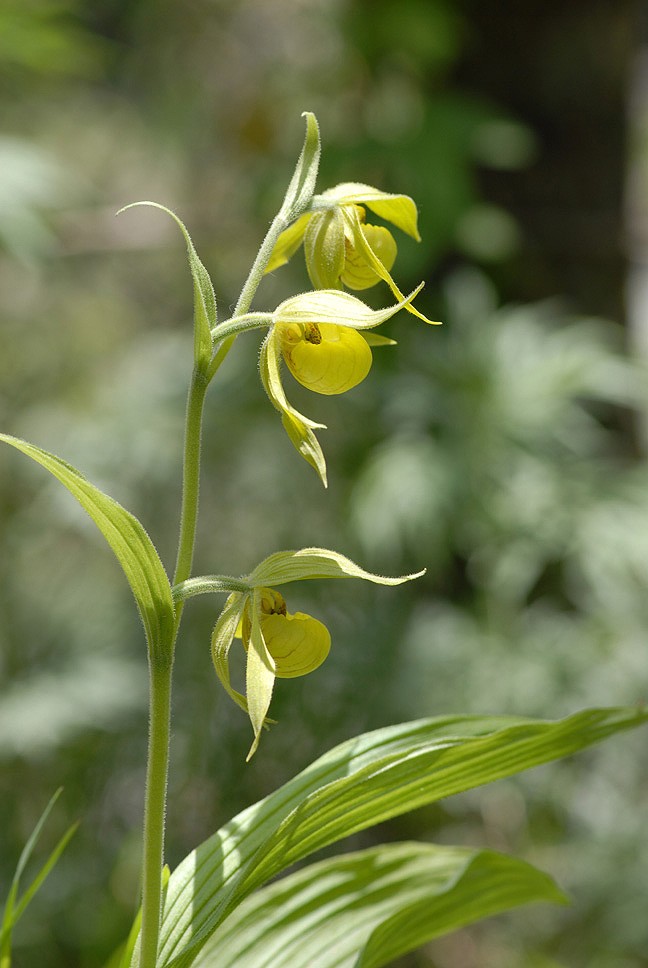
497, 451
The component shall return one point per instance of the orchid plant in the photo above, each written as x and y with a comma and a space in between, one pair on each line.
215, 909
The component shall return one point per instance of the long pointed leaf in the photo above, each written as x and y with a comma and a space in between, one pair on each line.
129, 541
49, 864
364, 909
8, 916
14, 909
356, 785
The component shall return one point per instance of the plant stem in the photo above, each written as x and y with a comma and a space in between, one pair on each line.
255, 276
160, 673
160, 689
154, 810
252, 282
191, 477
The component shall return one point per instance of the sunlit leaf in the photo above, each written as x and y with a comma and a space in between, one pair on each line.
364, 909
356, 785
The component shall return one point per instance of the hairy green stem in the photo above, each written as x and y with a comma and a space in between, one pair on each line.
154, 810
160, 674
160, 689
278, 224
191, 477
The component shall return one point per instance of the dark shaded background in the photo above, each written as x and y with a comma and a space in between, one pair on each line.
502, 451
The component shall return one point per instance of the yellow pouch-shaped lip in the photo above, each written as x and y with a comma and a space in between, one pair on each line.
326, 358
298, 643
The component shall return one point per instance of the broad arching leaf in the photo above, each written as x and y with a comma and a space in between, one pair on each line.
356, 785
365, 909
129, 541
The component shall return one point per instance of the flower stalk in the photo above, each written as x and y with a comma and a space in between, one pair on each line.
157, 770
317, 335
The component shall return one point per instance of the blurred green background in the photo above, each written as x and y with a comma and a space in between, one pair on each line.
503, 451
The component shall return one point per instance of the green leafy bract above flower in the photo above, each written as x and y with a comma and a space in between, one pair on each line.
340, 247
317, 334
278, 644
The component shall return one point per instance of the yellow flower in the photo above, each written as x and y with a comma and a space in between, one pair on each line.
277, 644
318, 335
340, 247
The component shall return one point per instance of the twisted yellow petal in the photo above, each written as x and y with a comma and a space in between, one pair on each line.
288, 243
358, 273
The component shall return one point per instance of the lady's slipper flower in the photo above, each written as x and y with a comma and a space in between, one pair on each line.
340, 247
277, 644
318, 335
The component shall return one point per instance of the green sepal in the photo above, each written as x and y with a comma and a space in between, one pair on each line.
324, 249
298, 427
259, 676
222, 638
297, 197
130, 543
338, 308
308, 563
205, 315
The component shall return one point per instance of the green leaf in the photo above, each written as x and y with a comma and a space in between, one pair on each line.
361, 783
130, 543
302, 184
365, 909
15, 909
205, 316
